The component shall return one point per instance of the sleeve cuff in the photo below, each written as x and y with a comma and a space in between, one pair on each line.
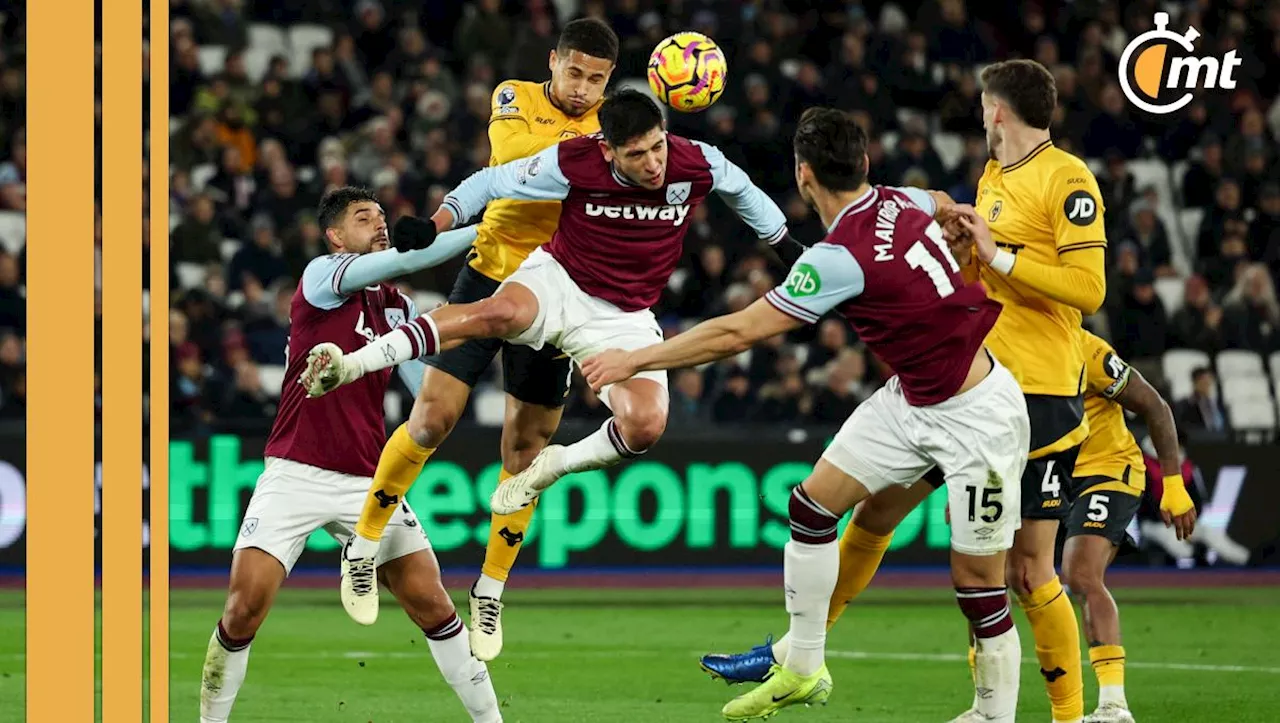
1003, 262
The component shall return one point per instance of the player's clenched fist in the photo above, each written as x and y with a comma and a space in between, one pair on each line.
976, 226
608, 367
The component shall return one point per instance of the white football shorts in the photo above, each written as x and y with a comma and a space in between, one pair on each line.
577, 323
292, 500
979, 439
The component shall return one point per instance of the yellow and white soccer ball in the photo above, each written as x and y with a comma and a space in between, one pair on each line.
687, 72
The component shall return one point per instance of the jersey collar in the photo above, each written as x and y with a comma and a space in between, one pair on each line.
859, 204
1027, 158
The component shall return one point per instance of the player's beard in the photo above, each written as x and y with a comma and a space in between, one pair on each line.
993, 143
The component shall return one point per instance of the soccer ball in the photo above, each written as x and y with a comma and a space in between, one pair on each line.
687, 71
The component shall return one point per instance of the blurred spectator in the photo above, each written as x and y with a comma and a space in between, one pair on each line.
1202, 412
733, 403
13, 300
1140, 326
1252, 313
1112, 128
687, 407
833, 335
784, 400
1203, 177
13, 174
245, 398
260, 259
836, 400
1198, 323
1119, 189
197, 238
585, 404
1146, 230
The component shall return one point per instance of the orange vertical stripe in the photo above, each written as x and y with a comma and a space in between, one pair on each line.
159, 305
60, 207
122, 362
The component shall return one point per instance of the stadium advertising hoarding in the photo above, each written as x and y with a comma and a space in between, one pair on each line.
687, 503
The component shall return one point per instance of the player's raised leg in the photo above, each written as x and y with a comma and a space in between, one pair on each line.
256, 576
639, 418
511, 310
415, 581
526, 430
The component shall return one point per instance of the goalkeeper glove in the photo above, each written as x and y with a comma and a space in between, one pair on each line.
412, 233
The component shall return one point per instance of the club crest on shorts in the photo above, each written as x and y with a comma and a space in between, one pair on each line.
250, 524
679, 192
395, 317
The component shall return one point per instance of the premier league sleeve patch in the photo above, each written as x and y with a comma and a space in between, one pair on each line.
506, 96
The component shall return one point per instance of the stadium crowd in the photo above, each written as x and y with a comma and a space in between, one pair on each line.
275, 101
13, 204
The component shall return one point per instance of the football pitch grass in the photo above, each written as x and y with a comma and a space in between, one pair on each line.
630, 655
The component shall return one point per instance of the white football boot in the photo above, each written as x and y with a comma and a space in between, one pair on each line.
486, 627
360, 587
521, 490
1110, 713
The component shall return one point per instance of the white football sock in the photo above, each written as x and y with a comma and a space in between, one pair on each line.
996, 669
781, 647
489, 587
223, 674
602, 448
362, 547
413, 340
1112, 694
468, 677
809, 575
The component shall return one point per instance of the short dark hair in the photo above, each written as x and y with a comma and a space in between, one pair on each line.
834, 146
627, 114
1027, 86
1200, 372
589, 36
334, 205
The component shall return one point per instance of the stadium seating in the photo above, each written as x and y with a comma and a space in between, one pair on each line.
1177, 365
490, 405
303, 39
268, 38
1170, 291
1252, 414
1239, 364
272, 376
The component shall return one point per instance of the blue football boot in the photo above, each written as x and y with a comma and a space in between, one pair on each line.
749, 667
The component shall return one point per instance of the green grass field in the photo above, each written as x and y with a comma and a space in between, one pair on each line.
629, 655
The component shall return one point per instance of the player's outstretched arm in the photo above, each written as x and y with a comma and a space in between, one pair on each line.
752, 205
536, 178
1138, 396
1080, 281
717, 338
329, 280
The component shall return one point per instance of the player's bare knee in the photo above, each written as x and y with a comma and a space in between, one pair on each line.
977, 570
642, 425
1082, 577
501, 316
243, 614
431, 421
